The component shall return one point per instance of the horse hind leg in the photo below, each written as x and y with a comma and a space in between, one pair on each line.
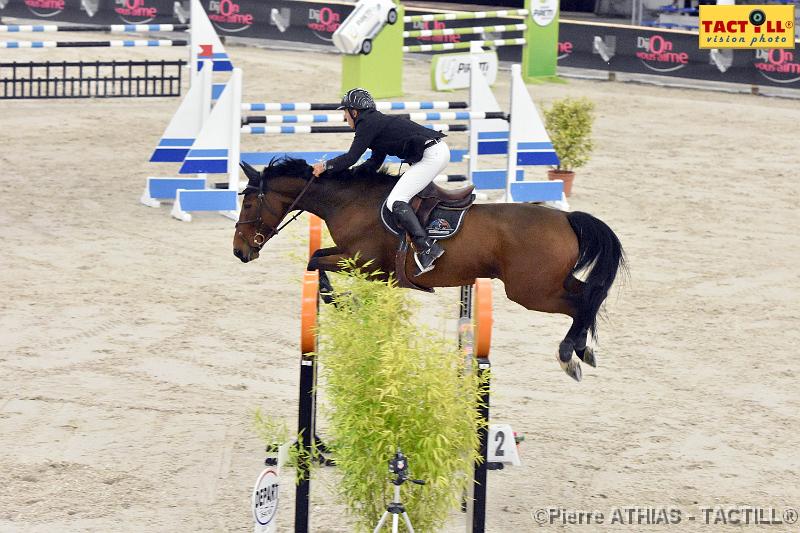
558, 301
582, 350
569, 364
579, 332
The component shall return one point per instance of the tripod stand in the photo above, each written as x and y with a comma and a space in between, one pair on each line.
398, 465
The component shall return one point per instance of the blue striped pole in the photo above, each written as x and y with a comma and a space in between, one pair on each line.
268, 130
93, 44
381, 106
113, 28
417, 117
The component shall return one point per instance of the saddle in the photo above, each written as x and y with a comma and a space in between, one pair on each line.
440, 211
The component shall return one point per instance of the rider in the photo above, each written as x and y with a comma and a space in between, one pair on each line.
422, 148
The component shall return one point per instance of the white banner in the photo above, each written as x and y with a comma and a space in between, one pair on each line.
451, 71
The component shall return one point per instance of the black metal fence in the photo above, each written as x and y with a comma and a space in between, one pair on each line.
90, 79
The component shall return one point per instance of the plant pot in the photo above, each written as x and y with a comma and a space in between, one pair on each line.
567, 176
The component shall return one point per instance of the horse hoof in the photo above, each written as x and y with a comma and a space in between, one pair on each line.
588, 357
572, 368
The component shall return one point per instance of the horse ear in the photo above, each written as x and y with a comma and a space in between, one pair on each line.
254, 177
249, 171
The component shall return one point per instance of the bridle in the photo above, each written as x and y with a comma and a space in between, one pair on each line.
259, 238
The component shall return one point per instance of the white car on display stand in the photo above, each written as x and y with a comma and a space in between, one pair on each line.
355, 34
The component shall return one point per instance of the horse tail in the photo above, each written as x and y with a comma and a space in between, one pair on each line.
601, 253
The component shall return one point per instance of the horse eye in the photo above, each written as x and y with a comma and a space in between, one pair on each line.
247, 206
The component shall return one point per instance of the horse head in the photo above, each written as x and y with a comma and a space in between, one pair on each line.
268, 198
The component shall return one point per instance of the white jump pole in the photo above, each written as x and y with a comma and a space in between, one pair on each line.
236, 125
513, 134
192, 39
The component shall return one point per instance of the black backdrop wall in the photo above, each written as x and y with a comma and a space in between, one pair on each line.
586, 45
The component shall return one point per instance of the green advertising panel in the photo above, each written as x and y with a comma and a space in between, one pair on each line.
380, 71
540, 55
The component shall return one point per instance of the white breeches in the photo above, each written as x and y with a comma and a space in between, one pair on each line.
434, 159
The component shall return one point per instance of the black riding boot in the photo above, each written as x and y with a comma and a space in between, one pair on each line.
427, 251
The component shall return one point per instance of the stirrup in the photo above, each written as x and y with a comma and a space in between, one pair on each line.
430, 255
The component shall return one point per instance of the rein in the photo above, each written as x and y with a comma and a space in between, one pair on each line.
259, 238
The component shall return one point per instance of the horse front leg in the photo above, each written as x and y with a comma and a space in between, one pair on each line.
326, 260
574, 341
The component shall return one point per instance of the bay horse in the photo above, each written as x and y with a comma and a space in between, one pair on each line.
535, 250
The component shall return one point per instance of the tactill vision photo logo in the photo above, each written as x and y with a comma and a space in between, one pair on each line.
228, 16
659, 54
778, 66
323, 22
747, 26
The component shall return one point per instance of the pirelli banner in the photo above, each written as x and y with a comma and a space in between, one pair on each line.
587, 45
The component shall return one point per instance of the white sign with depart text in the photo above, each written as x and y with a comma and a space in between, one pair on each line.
265, 501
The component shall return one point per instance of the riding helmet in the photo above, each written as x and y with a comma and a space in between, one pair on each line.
358, 99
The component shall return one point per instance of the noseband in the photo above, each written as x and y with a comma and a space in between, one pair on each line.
259, 238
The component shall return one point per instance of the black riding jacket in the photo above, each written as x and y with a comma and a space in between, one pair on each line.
384, 135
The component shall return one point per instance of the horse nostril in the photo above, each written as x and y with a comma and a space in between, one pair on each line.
237, 253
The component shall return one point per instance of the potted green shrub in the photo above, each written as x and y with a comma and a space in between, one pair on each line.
569, 123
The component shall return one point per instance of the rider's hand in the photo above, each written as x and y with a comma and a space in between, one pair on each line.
319, 168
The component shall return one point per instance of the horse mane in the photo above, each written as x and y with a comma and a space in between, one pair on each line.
287, 166
299, 168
